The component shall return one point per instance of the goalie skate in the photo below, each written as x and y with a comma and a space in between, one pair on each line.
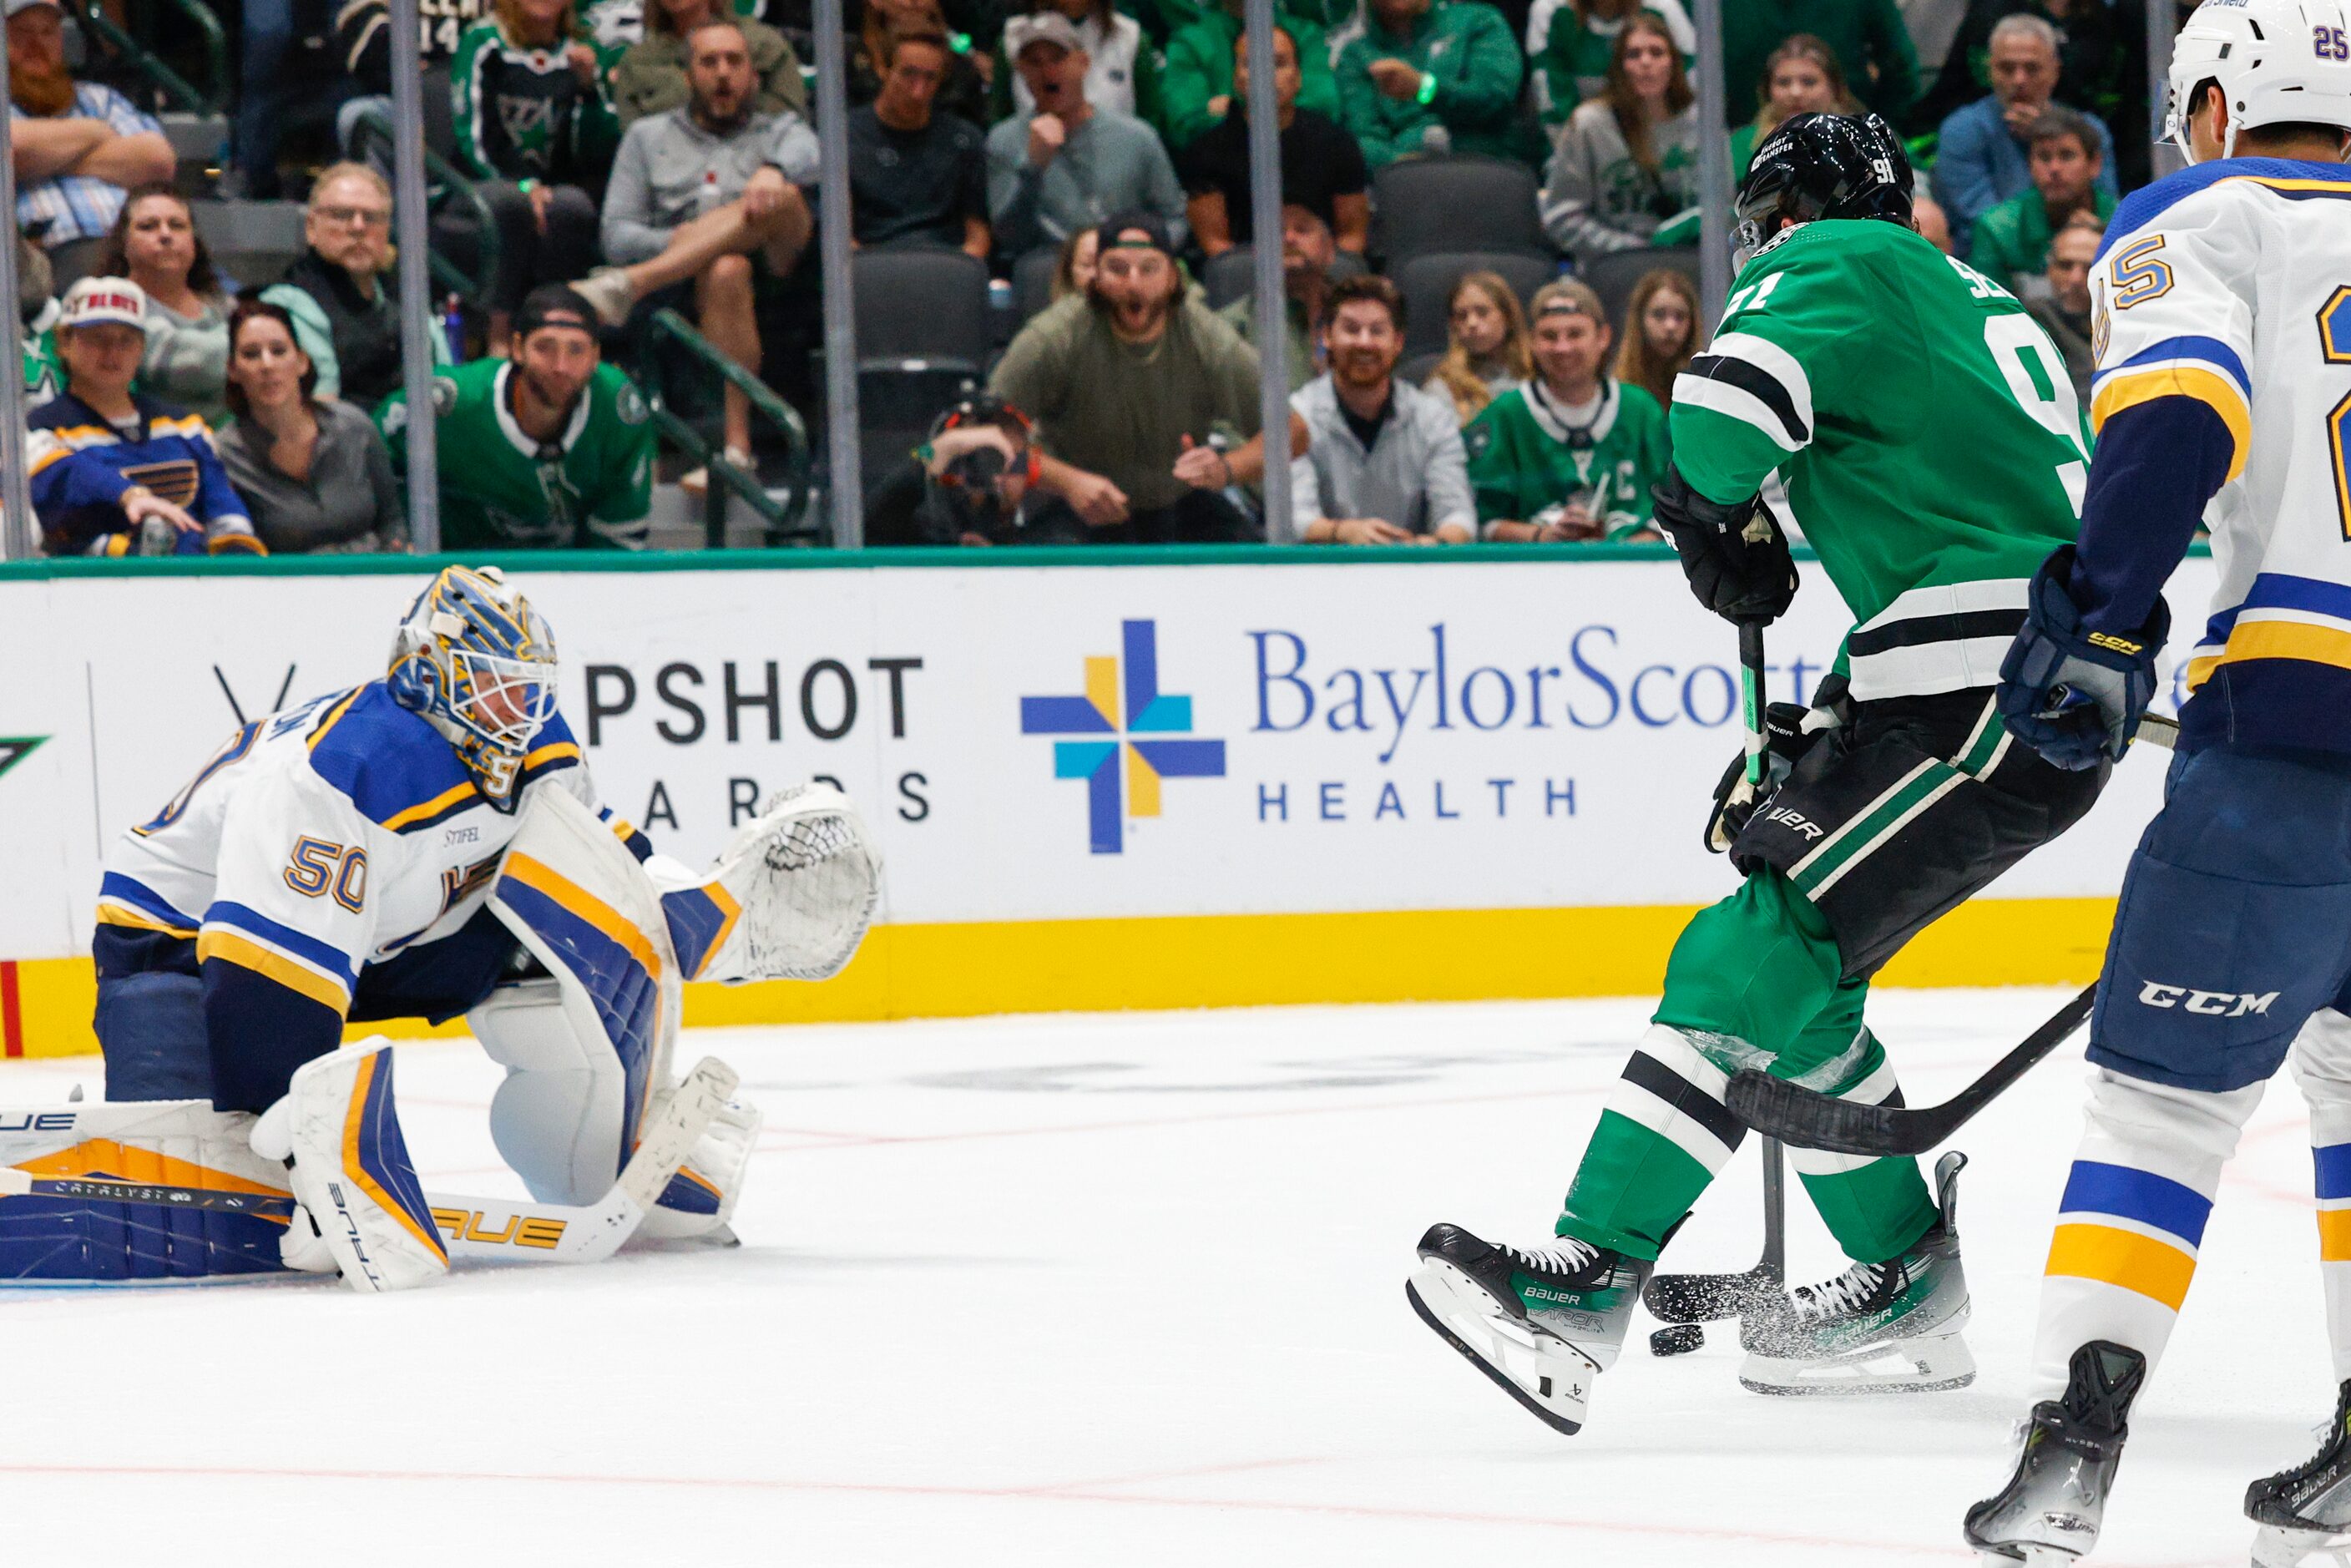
2307, 1509
1542, 1323
1877, 1328
2049, 1511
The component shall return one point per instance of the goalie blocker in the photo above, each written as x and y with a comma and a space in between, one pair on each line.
172, 1192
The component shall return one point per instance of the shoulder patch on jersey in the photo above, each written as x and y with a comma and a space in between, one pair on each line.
394, 767
1478, 437
630, 403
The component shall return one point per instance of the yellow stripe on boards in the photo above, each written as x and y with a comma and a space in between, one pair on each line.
1254, 960
2123, 1257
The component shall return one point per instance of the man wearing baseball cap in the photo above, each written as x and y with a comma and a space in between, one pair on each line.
1146, 400
1068, 164
78, 146
115, 472
549, 447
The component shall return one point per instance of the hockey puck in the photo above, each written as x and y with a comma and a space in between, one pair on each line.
1679, 1340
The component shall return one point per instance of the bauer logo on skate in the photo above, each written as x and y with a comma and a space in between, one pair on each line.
1139, 747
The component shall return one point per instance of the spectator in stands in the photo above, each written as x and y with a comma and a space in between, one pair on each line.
37, 315
155, 244
1431, 75
709, 194
1136, 388
1569, 456
77, 146
651, 76
1385, 466
1121, 73
1626, 165
1199, 91
315, 476
1660, 333
1926, 217
2101, 67
1802, 76
549, 448
2012, 245
963, 94
114, 471
534, 131
916, 177
1074, 270
264, 34
1321, 168
1571, 54
974, 482
1068, 164
340, 291
1486, 351
1867, 36
1980, 157
362, 46
2063, 306
1307, 255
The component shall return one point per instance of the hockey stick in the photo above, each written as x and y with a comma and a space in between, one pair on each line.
1704, 1298
1777, 1108
501, 1229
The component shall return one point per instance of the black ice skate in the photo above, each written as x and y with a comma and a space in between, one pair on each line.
2049, 1511
1542, 1322
1877, 1328
2306, 1510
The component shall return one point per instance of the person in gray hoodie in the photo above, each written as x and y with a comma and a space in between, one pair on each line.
1625, 172
1385, 464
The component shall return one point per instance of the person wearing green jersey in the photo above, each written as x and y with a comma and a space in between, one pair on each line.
549, 449
1933, 455
1570, 455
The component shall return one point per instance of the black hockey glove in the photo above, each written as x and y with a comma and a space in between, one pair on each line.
1736, 557
1787, 736
2072, 695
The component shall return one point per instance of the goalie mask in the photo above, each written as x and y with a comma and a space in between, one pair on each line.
1821, 166
477, 663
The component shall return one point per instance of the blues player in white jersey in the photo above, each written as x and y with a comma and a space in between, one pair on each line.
2222, 329
427, 844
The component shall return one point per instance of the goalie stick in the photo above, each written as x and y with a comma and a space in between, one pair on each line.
504, 1231
1777, 1108
1704, 1298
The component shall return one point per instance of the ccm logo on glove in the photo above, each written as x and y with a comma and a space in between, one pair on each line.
2216, 1004
2119, 645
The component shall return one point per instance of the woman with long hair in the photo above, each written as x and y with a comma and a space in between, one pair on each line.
651, 76
1568, 43
316, 476
155, 244
1802, 76
1074, 269
1486, 351
1627, 161
1660, 333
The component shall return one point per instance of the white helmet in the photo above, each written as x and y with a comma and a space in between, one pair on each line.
2277, 61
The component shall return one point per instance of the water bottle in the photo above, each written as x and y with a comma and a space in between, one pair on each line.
453, 327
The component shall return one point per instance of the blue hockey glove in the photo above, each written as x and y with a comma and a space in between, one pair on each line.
2070, 694
1736, 557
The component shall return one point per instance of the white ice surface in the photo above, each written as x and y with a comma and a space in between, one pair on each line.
1123, 1290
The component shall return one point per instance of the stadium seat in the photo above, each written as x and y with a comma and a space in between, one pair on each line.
1421, 205
1032, 282
1426, 280
1232, 276
1418, 367
924, 336
1614, 276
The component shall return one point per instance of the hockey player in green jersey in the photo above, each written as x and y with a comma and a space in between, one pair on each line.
549, 449
1933, 455
1571, 454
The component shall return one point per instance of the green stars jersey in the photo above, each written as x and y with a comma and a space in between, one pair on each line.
590, 486
1527, 453
1933, 448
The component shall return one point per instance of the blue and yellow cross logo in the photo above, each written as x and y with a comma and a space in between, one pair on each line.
1149, 712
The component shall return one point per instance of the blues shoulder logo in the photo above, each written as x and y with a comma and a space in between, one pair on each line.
1123, 731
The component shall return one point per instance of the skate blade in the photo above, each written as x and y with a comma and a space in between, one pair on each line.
1548, 1376
1924, 1365
2035, 1556
2276, 1546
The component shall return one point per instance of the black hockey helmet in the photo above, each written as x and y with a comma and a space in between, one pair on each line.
1823, 166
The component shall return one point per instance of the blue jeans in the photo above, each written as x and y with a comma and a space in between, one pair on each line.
261, 94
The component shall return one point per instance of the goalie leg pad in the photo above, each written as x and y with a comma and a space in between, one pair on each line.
339, 1133
559, 1116
151, 1193
700, 1199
